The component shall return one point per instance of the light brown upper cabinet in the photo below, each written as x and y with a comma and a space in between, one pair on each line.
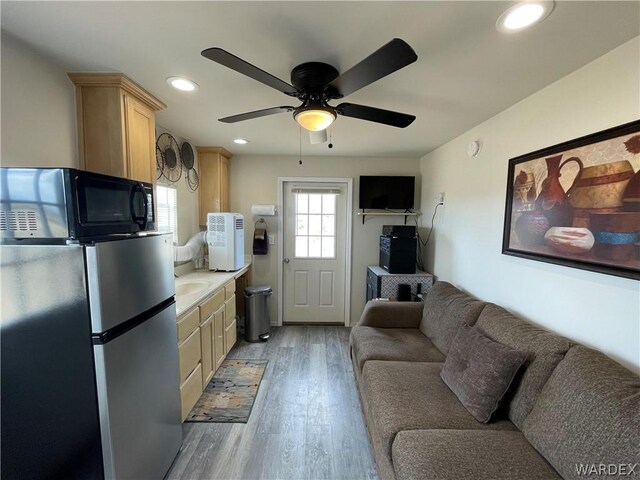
116, 125
214, 180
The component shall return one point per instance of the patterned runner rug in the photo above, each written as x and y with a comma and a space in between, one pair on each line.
230, 395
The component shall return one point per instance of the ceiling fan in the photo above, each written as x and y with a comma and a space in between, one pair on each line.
317, 83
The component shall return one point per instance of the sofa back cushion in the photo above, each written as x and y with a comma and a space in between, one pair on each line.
587, 414
479, 371
445, 309
544, 350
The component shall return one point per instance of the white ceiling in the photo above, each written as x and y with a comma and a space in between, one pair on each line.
466, 70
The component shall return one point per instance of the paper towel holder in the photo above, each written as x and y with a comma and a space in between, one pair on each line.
263, 210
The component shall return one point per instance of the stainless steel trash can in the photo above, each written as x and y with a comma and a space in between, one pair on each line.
256, 311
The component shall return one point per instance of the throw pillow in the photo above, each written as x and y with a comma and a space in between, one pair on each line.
479, 371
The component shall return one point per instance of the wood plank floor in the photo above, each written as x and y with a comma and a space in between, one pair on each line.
306, 422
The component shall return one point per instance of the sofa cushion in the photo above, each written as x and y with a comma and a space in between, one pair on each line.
467, 455
404, 344
587, 413
411, 395
544, 350
391, 314
479, 371
445, 309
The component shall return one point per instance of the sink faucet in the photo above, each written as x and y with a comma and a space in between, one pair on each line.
176, 275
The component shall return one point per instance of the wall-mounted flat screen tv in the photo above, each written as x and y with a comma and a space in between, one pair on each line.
393, 192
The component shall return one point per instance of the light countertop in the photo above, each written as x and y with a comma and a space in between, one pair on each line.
204, 283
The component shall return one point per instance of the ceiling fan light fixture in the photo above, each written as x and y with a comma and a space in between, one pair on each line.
314, 118
523, 15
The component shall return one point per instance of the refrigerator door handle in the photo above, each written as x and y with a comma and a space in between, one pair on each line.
114, 332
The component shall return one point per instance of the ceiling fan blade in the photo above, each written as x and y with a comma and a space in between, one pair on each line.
229, 60
387, 59
255, 114
378, 115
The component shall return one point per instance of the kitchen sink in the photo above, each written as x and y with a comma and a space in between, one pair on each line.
191, 287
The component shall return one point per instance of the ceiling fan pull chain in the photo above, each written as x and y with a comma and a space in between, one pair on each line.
300, 143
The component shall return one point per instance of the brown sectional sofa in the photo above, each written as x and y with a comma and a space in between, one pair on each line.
569, 408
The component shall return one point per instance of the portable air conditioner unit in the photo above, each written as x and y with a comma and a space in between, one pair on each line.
225, 239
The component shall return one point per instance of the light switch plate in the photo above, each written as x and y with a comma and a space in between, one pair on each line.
272, 239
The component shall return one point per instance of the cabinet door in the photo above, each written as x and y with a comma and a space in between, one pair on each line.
189, 354
218, 332
369, 292
371, 285
213, 163
208, 357
224, 184
190, 391
140, 140
209, 188
230, 310
212, 304
230, 324
101, 130
230, 336
187, 324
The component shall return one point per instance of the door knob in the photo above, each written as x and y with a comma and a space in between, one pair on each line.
286, 260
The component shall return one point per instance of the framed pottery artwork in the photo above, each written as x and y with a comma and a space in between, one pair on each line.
578, 203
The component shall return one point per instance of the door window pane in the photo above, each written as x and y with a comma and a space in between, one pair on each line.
328, 203
302, 203
315, 225
315, 246
315, 222
328, 247
302, 227
315, 202
328, 225
301, 247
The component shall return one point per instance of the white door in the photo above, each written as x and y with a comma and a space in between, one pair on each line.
314, 251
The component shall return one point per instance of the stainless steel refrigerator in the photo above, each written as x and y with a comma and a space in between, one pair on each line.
89, 359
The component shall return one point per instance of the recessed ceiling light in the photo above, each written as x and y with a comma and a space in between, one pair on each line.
182, 84
241, 141
523, 15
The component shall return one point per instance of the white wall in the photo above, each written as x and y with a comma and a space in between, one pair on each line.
254, 180
598, 310
38, 110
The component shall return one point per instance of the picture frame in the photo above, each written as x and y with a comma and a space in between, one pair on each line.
577, 203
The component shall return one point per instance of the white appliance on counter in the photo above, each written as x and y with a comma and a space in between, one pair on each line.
225, 240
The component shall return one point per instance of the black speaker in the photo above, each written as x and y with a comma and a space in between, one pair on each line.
398, 254
404, 292
398, 230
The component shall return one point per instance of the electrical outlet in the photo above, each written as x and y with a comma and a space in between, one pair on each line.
441, 198
272, 239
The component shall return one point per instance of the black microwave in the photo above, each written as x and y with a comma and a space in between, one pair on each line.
71, 204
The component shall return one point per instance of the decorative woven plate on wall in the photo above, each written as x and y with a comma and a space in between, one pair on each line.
188, 164
170, 153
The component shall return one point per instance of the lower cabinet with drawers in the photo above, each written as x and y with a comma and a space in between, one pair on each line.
206, 334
